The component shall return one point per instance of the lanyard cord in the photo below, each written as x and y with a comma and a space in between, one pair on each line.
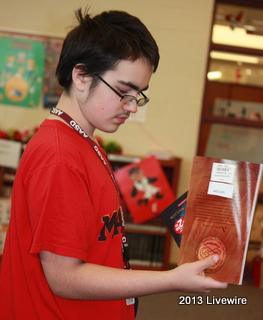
107, 166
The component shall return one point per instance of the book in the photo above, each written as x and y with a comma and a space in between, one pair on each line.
173, 216
144, 188
146, 250
221, 201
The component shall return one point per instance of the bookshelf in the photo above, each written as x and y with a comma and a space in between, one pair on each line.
149, 242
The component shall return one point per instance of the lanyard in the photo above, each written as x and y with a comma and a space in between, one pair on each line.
107, 166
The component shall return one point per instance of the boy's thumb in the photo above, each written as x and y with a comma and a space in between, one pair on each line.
209, 262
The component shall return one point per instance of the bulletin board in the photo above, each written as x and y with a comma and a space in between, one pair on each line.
27, 69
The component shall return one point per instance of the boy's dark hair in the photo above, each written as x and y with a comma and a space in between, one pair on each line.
97, 44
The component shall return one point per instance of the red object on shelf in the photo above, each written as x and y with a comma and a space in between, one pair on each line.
145, 189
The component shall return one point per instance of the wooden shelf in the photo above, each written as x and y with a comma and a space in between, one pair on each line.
238, 50
232, 121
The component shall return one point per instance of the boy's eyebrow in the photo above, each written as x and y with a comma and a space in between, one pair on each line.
132, 85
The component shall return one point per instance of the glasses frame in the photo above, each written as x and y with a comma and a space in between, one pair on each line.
140, 102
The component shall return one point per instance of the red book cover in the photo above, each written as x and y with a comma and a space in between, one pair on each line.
144, 188
219, 213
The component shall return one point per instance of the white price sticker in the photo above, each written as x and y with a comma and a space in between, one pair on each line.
223, 172
221, 189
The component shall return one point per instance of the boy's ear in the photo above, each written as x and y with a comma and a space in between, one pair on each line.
80, 81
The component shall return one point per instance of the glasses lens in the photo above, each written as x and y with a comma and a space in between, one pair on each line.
128, 99
131, 99
142, 102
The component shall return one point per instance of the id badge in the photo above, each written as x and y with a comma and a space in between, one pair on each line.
130, 301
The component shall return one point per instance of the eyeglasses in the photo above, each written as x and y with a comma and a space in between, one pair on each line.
127, 99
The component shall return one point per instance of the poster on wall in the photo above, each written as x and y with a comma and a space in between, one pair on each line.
235, 143
10, 153
21, 71
51, 89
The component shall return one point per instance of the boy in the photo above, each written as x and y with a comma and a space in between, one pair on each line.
66, 252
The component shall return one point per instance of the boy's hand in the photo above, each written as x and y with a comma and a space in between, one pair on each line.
191, 277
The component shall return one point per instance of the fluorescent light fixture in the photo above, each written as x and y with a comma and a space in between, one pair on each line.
237, 37
233, 57
212, 75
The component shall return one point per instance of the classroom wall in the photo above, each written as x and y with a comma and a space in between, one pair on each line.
182, 31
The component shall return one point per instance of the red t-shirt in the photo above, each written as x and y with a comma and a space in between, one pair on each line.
63, 201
